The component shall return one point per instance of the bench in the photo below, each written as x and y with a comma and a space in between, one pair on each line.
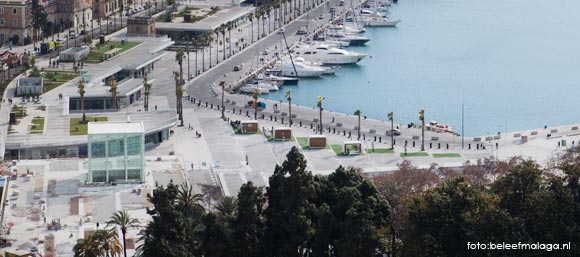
477, 139
338, 124
415, 137
574, 128
497, 137
372, 131
534, 133
554, 131
517, 135
434, 138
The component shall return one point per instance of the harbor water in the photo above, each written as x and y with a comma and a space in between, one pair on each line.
514, 64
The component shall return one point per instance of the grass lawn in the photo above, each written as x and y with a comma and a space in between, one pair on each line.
337, 148
37, 126
53, 79
239, 132
96, 55
303, 142
446, 155
77, 128
380, 150
19, 111
271, 138
415, 154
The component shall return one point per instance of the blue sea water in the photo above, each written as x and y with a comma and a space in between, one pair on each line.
515, 64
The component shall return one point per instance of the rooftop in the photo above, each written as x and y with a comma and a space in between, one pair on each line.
115, 127
208, 24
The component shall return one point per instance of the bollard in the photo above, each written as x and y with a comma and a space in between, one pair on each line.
477, 146
300, 123
405, 142
218, 107
364, 137
270, 117
344, 132
263, 116
333, 130
199, 104
438, 145
447, 146
206, 104
380, 139
211, 106
282, 120
469, 145
394, 142
240, 111
430, 145
413, 143
193, 100
311, 127
247, 113
234, 110
375, 138
329, 130
349, 134
275, 119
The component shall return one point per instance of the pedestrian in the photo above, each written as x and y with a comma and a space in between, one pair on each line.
496, 145
558, 143
155, 107
192, 166
332, 119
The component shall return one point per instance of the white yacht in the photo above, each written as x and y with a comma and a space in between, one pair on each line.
338, 33
251, 88
278, 79
327, 55
298, 69
381, 22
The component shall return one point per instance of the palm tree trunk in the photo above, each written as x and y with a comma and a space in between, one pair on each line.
392, 136
290, 112
320, 120
224, 46
358, 128
124, 244
230, 36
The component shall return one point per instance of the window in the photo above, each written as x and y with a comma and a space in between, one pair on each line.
15, 22
1, 10
1, 22
14, 10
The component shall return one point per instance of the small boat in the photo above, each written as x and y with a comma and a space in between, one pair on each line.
434, 125
327, 55
281, 80
251, 88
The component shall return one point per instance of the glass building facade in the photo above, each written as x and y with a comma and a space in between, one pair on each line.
116, 157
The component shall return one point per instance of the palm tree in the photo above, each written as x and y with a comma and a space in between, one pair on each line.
147, 86
358, 113
391, 117
123, 220
209, 41
88, 247
255, 96
82, 91
108, 239
188, 201
319, 105
258, 14
223, 32
113, 91
251, 17
179, 59
227, 208
223, 85
179, 96
229, 27
289, 98
422, 119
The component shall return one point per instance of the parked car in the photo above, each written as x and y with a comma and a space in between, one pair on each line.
395, 132
302, 31
281, 31
237, 68
72, 36
266, 52
321, 17
83, 32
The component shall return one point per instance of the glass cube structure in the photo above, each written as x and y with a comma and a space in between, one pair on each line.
116, 151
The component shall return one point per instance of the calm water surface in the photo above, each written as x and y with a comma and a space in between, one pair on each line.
514, 63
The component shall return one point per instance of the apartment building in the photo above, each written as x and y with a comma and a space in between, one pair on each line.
75, 13
105, 8
15, 22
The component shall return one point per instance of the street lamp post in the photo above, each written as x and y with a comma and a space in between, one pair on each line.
391, 118
422, 118
289, 98
320, 99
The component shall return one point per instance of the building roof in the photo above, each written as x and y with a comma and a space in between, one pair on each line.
208, 24
115, 128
